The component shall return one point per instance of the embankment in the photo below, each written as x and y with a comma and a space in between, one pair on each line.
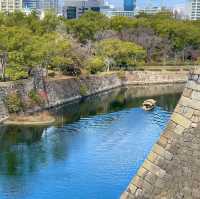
59, 91
62, 91
171, 170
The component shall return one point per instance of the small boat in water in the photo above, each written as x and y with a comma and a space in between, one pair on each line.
149, 104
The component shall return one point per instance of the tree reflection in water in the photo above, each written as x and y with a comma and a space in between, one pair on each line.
27, 150
16, 155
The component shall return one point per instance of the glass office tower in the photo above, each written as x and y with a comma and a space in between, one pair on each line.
31, 4
129, 5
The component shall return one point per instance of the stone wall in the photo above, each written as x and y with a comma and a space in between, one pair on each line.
171, 170
60, 91
6, 88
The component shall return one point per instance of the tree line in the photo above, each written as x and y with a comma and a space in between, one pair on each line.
94, 43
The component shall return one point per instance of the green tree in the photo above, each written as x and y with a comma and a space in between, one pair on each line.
50, 22
13, 41
95, 64
87, 26
120, 53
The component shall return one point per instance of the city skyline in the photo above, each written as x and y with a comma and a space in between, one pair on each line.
144, 3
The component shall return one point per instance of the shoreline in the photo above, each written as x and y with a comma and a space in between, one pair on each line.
39, 119
61, 91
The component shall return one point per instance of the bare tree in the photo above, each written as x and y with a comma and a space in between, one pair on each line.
147, 38
106, 34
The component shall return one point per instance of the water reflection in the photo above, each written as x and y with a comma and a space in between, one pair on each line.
91, 150
118, 99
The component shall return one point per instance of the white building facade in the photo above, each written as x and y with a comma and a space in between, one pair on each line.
10, 5
113, 13
149, 10
194, 9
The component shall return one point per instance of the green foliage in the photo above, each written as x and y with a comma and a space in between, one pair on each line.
83, 90
87, 26
35, 97
14, 103
50, 21
120, 23
60, 44
16, 72
95, 65
122, 53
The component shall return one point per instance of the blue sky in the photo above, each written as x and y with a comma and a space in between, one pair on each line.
143, 3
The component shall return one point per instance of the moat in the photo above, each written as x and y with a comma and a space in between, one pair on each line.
93, 151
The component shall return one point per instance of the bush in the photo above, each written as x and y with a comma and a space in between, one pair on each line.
14, 103
122, 54
35, 97
83, 90
95, 65
15, 73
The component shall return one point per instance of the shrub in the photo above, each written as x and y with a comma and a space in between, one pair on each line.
15, 73
95, 65
14, 103
83, 90
35, 97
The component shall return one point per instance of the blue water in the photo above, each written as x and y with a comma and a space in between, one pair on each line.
92, 153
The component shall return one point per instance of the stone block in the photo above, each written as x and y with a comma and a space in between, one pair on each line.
195, 119
152, 156
188, 112
194, 125
137, 181
162, 152
142, 172
160, 183
197, 112
151, 178
196, 193
171, 125
184, 110
195, 77
138, 193
179, 130
187, 92
147, 186
132, 188
181, 120
162, 141
193, 85
154, 169
168, 134
192, 103
195, 95
124, 195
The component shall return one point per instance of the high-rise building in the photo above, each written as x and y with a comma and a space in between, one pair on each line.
41, 5
75, 8
49, 5
194, 9
10, 5
31, 4
129, 5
